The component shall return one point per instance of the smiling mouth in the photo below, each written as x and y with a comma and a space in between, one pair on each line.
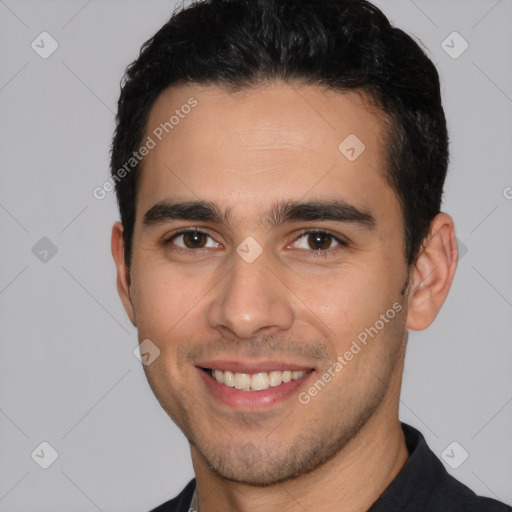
259, 381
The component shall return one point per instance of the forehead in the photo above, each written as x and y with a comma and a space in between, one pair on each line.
264, 144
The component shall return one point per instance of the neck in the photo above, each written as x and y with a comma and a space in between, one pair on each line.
354, 477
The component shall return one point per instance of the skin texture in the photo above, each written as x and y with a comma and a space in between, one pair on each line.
245, 152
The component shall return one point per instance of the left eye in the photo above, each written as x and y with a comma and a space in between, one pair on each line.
317, 241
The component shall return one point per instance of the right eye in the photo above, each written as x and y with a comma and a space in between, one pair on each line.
192, 239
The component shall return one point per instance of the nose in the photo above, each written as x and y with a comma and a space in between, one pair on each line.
250, 301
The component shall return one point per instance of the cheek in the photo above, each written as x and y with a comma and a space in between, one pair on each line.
165, 301
168, 306
349, 300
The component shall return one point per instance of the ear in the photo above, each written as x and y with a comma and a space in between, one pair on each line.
433, 273
123, 271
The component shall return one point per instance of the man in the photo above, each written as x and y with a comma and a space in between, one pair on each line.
279, 167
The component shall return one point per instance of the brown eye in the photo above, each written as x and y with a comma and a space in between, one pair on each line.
194, 240
319, 241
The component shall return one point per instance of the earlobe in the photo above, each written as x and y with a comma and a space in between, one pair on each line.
433, 273
123, 271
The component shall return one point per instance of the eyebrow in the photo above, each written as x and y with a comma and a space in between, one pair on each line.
280, 213
331, 210
203, 211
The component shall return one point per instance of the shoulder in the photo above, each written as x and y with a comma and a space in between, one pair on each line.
180, 503
457, 497
425, 484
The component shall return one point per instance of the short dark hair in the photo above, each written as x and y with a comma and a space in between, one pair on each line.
338, 44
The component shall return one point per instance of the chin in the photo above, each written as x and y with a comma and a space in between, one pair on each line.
266, 465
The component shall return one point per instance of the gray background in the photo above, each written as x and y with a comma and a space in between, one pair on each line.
67, 372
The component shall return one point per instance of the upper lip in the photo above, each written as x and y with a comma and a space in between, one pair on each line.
253, 366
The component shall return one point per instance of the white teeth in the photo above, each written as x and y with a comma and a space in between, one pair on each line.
275, 378
243, 381
229, 378
257, 381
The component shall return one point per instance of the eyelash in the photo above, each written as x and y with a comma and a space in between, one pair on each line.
314, 253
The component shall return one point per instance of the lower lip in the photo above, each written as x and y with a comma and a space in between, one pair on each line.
252, 400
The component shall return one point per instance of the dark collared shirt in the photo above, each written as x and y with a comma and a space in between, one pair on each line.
423, 485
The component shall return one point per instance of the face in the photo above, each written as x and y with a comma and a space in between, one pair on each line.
266, 258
